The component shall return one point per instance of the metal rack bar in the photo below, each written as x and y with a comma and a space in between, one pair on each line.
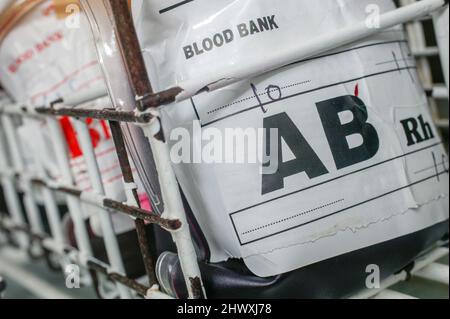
75, 256
109, 238
107, 203
418, 43
132, 197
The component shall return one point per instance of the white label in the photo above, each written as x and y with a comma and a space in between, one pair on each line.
360, 160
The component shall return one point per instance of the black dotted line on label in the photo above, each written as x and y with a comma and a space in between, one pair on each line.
253, 96
292, 217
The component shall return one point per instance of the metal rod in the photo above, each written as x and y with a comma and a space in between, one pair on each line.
18, 164
11, 196
109, 237
130, 50
51, 207
146, 250
73, 202
169, 224
440, 20
173, 208
116, 277
103, 114
133, 211
145, 98
52, 211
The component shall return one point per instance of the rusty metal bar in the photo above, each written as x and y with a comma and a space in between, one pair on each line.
121, 150
103, 114
145, 98
197, 289
145, 246
130, 50
143, 215
134, 62
136, 212
160, 98
130, 283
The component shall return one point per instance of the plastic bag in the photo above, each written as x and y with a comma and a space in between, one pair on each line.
45, 57
123, 99
359, 161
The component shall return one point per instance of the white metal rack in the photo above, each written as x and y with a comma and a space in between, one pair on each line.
423, 52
